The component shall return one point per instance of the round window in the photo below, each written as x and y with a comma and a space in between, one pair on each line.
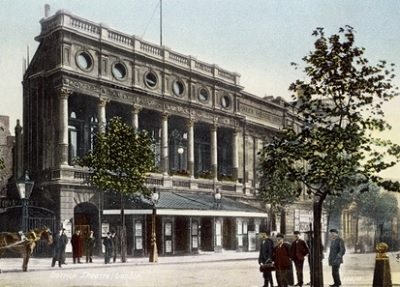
225, 102
150, 79
119, 71
84, 60
203, 95
178, 88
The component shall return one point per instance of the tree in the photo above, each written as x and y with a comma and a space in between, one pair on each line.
340, 107
120, 162
275, 189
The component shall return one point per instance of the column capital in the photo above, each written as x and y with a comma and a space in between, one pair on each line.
103, 101
136, 108
64, 93
190, 122
165, 115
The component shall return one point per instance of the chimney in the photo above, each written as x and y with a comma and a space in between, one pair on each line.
46, 10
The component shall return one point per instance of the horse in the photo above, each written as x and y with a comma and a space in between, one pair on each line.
24, 244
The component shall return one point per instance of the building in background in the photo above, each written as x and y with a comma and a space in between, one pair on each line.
208, 132
6, 153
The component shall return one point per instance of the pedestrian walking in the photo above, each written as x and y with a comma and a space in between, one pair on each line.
283, 262
336, 253
76, 242
107, 242
299, 250
58, 247
90, 244
64, 239
265, 258
114, 240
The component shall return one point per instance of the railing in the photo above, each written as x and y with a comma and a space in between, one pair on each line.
181, 183
154, 50
120, 38
84, 26
178, 58
63, 18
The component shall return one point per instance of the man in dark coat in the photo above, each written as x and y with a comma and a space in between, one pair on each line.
90, 244
266, 249
283, 263
64, 239
76, 242
299, 250
108, 248
114, 240
58, 247
336, 252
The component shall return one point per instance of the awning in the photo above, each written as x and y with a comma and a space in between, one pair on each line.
193, 204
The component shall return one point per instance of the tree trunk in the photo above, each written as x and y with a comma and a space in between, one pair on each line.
123, 231
317, 275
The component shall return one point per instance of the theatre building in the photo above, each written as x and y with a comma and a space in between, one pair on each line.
207, 130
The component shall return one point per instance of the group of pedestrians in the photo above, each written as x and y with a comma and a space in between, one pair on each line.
279, 257
110, 244
60, 241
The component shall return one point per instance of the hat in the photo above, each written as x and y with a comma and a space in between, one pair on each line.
108, 233
333, 230
296, 232
279, 235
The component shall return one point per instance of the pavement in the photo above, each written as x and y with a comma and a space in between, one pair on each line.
357, 269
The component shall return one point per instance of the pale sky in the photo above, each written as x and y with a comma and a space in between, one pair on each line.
256, 38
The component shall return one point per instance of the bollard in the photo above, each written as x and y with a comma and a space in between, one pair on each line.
382, 275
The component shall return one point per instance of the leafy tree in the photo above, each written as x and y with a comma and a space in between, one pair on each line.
120, 162
275, 189
340, 107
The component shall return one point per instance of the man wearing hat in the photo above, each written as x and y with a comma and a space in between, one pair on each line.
283, 263
108, 248
266, 249
299, 250
336, 252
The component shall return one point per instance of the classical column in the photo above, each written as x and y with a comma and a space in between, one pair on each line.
190, 147
102, 114
214, 151
235, 155
135, 117
63, 126
164, 143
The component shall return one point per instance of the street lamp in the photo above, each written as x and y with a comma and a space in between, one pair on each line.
217, 198
155, 196
25, 187
180, 152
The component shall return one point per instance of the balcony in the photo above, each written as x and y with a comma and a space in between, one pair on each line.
177, 182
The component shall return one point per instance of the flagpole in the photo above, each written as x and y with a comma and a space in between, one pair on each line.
161, 23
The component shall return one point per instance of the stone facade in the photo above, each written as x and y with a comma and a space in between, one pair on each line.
6, 148
85, 73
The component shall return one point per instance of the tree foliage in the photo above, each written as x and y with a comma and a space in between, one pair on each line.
121, 159
339, 108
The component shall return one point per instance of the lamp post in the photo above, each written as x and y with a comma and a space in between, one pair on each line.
155, 196
180, 152
217, 198
25, 187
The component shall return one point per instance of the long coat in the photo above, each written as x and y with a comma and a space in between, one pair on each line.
336, 251
58, 246
76, 242
281, 257
299, 250
266, 249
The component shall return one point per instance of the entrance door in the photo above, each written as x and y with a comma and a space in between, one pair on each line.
86, 219
206, 234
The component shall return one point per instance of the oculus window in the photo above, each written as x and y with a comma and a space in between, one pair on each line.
150, 80
84, 61
119, 71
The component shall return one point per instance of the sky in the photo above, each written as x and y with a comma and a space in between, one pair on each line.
256, 38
